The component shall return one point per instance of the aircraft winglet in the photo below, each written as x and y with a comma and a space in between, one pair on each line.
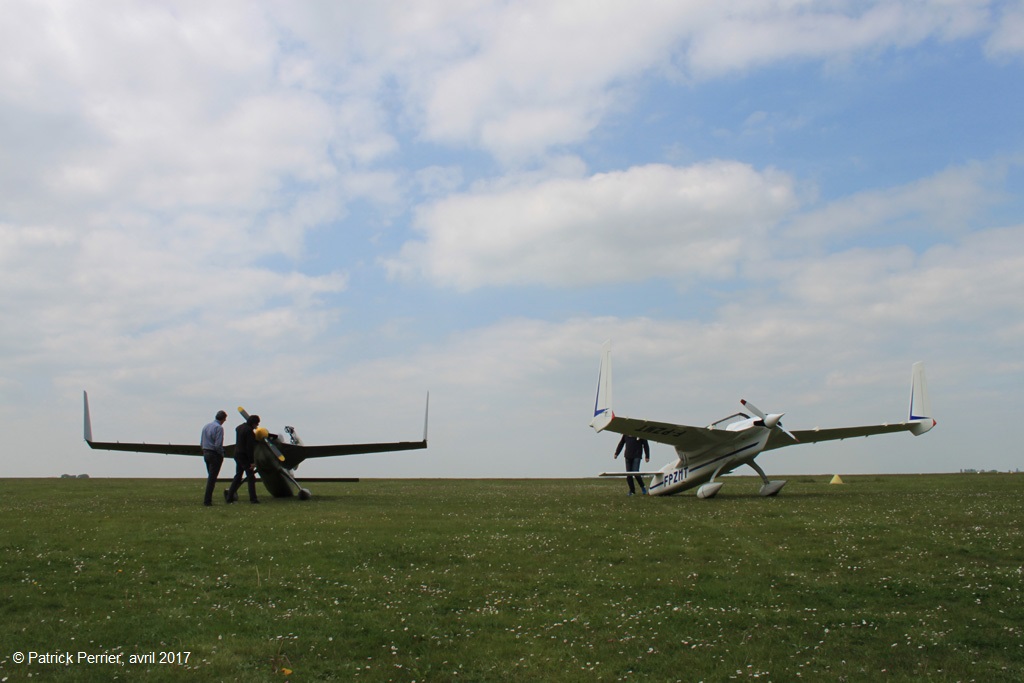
603, 401
426, 418
87, 419
920, 404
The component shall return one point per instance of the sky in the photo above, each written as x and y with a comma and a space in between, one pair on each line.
322, 211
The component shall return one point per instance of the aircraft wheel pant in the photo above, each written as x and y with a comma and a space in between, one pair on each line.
772, 488
709, 490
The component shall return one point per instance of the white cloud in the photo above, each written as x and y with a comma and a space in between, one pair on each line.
646, 222
521, 79
539, 75
189, 85
170, 162
974, 283
171, 106
756, 34
945, 202
1007, 40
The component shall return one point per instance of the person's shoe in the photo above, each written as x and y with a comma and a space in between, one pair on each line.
643, 490
207, 503
630, 493
254, 501
227, 497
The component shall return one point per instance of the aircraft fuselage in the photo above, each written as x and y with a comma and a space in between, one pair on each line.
276, 476
693, 469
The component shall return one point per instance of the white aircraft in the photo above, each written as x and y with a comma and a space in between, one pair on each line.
706, 453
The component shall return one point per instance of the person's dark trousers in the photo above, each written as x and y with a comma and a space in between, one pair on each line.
241, 468
214, 461
633, 465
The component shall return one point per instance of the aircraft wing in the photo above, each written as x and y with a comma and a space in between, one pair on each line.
288, 450
168, 449
778, 438
683, 437
297, 453
304, 452
630, 474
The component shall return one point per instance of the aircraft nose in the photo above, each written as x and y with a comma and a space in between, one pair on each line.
771, 420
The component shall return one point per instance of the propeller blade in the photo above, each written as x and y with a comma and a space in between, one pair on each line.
752, 408
778, 425
273, 449
772, 421
270, 442
775, 422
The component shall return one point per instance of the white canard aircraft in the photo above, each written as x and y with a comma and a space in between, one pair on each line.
706, 453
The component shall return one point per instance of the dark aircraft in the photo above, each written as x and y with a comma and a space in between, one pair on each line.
276, 459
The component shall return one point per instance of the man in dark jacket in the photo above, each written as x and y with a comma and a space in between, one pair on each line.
245, 456
635, 448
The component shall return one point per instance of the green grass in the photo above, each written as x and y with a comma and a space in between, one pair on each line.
882, 578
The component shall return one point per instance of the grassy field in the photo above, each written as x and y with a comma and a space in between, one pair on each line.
882, 578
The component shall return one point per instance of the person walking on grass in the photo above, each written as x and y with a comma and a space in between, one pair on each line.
212, 442
245, 457
635, 449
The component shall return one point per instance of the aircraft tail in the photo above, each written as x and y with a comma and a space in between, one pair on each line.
920, 405
603, 403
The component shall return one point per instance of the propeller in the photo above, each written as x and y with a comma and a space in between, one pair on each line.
263, 435
264, 438
769, 420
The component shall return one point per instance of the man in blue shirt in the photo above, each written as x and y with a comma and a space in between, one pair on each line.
212, 443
